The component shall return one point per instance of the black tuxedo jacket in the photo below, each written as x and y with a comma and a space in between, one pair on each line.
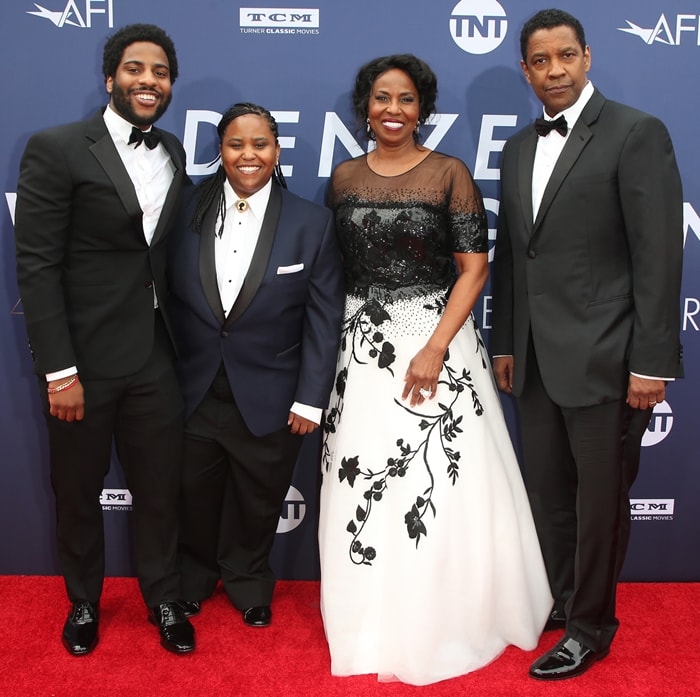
596, 277
279, 343
84, 269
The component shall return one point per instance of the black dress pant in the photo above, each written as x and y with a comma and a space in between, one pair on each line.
234, 486
579, 465
141, 414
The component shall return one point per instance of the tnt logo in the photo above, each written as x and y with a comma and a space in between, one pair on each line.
478, 26
293, 511
77, 14
660, 424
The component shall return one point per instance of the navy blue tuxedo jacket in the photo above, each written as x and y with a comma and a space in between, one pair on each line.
279, 342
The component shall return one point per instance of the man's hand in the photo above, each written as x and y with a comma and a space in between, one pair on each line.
643, 393
503, 371
68, 404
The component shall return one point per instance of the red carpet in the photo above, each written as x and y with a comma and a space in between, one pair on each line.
656, 653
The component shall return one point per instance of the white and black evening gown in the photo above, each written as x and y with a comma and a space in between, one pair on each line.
430, 564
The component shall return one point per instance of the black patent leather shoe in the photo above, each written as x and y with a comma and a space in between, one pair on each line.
176, 632
568, 659
80, 630
190, 607
556, 620
257, 616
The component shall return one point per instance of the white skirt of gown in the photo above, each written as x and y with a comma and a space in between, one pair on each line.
430, 563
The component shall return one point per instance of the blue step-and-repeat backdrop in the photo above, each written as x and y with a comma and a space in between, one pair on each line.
299, 59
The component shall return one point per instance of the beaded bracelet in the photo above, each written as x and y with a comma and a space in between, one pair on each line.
64, 386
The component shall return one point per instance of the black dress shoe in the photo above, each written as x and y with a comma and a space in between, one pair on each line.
80, 629
257, 616
567, 659
176, 632
556, 620
190, 607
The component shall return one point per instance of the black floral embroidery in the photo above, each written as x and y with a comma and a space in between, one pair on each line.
361, 334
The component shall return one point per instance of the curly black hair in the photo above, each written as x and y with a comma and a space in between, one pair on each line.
419, 71
549, 19
117, 43
211, 190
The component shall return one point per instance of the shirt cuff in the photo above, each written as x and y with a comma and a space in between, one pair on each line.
307, 412
65, 373
652, 377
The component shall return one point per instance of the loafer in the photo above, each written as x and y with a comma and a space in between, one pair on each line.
568, 659
80, 630
190, 607
176, 632
257, 616
556, 620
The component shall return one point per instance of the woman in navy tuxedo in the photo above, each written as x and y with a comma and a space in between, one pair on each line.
257, 302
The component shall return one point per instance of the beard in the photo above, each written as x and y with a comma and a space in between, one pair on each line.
122, 105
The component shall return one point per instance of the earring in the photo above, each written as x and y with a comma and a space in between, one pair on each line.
370, 132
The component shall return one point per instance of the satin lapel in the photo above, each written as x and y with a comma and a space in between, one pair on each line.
526, 159
171, 199
258, 264
106, 154
207, 263
576, 143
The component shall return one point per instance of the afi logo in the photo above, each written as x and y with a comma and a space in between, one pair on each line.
660, 424
478, 26
662, 33
72, 16
293, 511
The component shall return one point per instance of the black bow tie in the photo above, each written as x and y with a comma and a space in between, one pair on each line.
151, 139
543, 127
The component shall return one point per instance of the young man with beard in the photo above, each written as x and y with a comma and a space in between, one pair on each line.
95, 202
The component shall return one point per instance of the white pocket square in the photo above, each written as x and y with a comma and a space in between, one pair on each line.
294, 268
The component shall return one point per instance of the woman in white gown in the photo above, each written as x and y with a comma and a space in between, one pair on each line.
430, 564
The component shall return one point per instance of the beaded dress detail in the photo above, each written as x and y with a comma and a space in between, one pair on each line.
430, 564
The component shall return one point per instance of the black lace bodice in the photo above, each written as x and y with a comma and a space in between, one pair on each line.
398, 234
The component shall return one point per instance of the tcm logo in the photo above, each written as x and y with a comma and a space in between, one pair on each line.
116, 500
652, 509
660, 424
279, 17
293, 511
478, 26
77, 14
664, 32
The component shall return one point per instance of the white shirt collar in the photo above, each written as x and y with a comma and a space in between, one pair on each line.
574, 111
118, 126
257, 202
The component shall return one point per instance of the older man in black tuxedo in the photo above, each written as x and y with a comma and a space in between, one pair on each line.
585, 321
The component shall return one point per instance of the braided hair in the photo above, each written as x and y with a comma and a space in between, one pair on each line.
211, 190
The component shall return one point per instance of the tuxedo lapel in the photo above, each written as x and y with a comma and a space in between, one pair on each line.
526, 160
577, 141
207, 263
261, 255
105, 152
172, 197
